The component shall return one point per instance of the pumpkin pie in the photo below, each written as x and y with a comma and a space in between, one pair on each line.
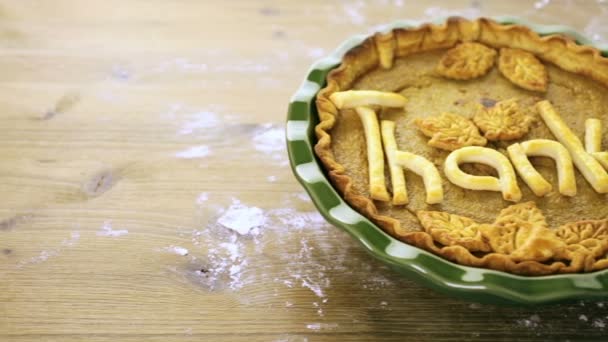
481, 142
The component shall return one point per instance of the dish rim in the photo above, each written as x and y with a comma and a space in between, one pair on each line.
476, 284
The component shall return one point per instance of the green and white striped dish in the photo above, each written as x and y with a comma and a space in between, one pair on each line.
475, 284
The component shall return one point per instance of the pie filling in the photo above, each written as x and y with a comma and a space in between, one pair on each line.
473, 141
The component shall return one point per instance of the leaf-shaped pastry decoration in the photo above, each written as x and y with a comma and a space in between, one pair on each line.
585, 237
503, 121
450, 230
523, 69
450, 131
521, 213
466, 61
521, 232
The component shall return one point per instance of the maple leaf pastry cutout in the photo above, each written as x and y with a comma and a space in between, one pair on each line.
520, 231
503, 121
586, 242
450, 131
466, 61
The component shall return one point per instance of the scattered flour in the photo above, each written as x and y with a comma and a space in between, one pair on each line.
202, 198
181, 65
270, 140
316, 53
302, 196
47, 254
541, 4
437, 12
243, 67
354, 12
598, 323
596, 29
194, 152
225, 262
200, 121
321, 326
121, 73
242, 219
531, 322
106, 230
176, 250
291, 218
271, 179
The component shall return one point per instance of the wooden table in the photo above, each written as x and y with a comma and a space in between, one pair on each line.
137, 136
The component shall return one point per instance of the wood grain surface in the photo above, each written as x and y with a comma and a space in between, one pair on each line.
133, 133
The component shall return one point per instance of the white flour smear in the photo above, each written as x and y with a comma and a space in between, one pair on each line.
242, 219
225, 261
47, 254
199, 121
321, 326
176, 250
195, 120
180, 64
232, 251
106, 230
194, 152
243, 236
354, 12
270, 140
202, 198
439, 12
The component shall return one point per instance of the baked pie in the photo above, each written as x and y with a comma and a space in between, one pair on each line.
478, 141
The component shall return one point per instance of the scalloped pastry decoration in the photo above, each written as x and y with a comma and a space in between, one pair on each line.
450, 230
502, 121
523, 69
450, 131
466, 61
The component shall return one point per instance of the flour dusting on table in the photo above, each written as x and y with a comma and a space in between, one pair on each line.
241, 218
199, 121
269, 139
177, 250
49, 253
202, 198
194, 152
107, 230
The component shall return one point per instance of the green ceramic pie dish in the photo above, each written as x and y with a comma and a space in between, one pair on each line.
474, 284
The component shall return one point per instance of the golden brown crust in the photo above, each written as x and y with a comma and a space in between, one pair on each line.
503, 121
450, 131
523, 69
466, 61
557, 49
587, 243
450, 230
